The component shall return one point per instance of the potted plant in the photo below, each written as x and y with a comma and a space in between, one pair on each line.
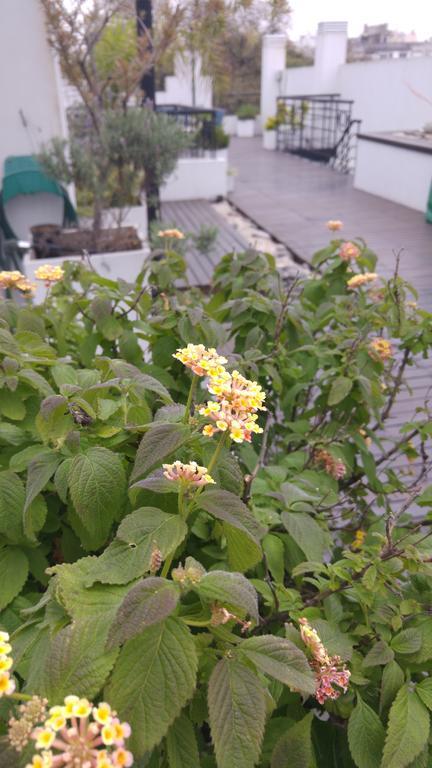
246, 115
270, 133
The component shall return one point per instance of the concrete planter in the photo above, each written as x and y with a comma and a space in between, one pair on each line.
246, 129
204, 178
229, 124
270, 140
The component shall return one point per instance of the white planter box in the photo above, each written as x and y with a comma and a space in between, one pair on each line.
269, 139
402, 174
197, 178
246, 129
124, 264
229, 124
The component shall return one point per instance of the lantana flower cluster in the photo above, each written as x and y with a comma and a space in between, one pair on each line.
329, 670
333, 467
15, 279
202, 361
189, 474
380, 349
358, 280
171, 234
80, 735
7, 683
349, 251
49, 274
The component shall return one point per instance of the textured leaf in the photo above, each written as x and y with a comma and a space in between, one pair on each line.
54, 420
147, 603
340, 388
40, 471
13, 574
407, 641
12, 497
237, 712
181, 744
366, 735
35, 380
392, 679
97, 484
159, 442
227, 507
152, 681
335, 641
294, 749
424, 691
281, 659
243, 551
231, 589
307, 534
380, 653
129, 555
407, 731
11, 405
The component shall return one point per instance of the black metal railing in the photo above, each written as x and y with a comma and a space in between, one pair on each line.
317, 126
345, 156
203, 127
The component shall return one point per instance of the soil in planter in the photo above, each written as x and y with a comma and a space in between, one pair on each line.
50, 241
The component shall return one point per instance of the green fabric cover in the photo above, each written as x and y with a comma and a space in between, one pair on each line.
23, 175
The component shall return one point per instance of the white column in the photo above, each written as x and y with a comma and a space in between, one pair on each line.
272, 66
330, 53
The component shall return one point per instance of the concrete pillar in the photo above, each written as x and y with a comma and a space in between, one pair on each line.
272, 66
330, 53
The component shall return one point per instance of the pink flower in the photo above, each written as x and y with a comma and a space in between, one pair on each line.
349, 251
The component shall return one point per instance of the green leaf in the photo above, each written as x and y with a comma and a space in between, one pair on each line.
294, 749
380, 653
366, 735
153, 679
21, 460
182, 748
129, 555
307, 534
335, 641
281, 659
275, 553
54, 421
12, 497
407, 731
13, 574
231, 589
340, 388
40, 471
237, 709
227, 507
11, 405
424, 691
35, 380
243, 551
407, 641
97, 483
159, 442
392, 679
147, 603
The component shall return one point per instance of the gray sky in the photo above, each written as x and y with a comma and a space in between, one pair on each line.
401, 15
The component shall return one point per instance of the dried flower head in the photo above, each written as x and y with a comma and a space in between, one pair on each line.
156, 559
334, 467
171, 234
189, 574
202, 361
380, 349
220, 615
10, 279
80, 735
235, 408
7, 683
21, 728
334, 225
189, 474
358, 280
49, 274
329, 670
349, 251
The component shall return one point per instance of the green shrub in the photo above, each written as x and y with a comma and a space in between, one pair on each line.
195, 608
247, 112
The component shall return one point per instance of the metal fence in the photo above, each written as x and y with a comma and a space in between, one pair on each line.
201, 126
318, 127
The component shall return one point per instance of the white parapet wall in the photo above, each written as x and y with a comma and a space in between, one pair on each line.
196, 178
394, 168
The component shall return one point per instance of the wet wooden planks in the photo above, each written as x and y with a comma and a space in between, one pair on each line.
191, 216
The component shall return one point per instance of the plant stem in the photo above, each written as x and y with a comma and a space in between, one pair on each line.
191, 394
216, 454
20, 697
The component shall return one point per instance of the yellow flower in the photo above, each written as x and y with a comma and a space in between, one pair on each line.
45, 760
49, 274
45, 738
82, 708
173, 234
10, 279
7, 684
122, 758
102, 713
380, 349
56, 722
25, 286
5, 663
359, 539
358, 280
334, 225
108, 735
202, 361
121, 731
208, 430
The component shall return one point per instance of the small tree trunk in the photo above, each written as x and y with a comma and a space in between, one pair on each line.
152, 198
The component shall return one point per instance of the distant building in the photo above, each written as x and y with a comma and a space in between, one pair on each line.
377, 41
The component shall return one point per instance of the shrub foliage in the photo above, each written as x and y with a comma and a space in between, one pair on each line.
278, 616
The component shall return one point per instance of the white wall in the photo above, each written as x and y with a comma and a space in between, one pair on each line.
28, 81
397, 174
197, 178
178, 87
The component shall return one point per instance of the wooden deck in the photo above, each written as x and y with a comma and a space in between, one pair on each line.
191, 216
292, 198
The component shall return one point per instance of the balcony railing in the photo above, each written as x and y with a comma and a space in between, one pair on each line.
201, 125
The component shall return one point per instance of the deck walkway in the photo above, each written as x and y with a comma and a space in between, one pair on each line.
292, 198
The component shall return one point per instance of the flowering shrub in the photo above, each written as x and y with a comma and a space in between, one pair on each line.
208, 528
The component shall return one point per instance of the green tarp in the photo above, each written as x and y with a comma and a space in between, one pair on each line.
23, 175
